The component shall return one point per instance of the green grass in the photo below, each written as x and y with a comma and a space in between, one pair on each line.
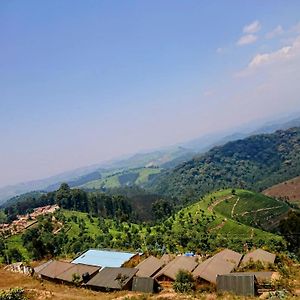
111, 180
251, 202
194, 223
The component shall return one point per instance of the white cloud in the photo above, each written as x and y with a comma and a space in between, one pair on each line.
275, 32
274, 58
247, 39
252, 28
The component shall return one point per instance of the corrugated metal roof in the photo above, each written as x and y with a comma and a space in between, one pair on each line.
54, 268
185, 263
103, 258
149, 266
78, 269
259, 255
107, 278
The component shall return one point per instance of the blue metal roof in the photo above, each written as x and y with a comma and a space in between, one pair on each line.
103, 258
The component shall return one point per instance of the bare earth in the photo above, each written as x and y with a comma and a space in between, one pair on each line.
289, 189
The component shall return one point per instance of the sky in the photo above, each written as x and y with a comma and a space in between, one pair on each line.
82, 82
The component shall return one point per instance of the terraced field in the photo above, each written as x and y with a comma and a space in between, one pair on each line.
252, 209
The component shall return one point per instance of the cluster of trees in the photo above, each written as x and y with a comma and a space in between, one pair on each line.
253, 163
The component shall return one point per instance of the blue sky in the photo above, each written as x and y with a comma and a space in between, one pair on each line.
86, 81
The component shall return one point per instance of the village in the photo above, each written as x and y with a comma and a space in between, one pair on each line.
25, 221
107, 270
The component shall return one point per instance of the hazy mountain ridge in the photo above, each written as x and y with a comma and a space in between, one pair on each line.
255, 163
166, 158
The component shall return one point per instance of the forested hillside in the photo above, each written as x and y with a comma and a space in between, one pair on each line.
253, 163
200, 227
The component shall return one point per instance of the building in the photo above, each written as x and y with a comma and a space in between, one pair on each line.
52, 269
237, 283
105, 258
78, 274
149, 267
169, 272
145, 285
259, 255
223, 262
109, 279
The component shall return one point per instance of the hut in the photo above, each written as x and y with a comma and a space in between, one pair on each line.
149, 267
52, 269
145, 285
237, 283
109, 279
259, 255
105, 258
223, 262
169, 272
78, 274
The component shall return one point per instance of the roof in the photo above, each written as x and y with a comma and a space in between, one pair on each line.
42, 266
185, 263
149, 267
212, 267
166, 258
107, 278
103, 258
230, 256
78, 269
259, 255
54, 268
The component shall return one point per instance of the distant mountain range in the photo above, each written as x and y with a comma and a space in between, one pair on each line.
163, 158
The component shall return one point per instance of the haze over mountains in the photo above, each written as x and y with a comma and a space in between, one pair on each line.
162, 158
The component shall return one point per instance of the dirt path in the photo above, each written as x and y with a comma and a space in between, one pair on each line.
211, 207
234, 205
259, 210
221, 225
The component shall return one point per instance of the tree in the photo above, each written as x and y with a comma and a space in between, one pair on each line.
184, 282
289, 227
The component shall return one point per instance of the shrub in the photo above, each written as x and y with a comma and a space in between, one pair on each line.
12, 294
184, 282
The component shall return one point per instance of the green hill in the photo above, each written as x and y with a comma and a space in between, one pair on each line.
251, 208
138, 176
203, 226
253, 163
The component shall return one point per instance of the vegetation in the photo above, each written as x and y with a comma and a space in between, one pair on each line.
184, 282
289, 227
253, 163
198, 228
13, 294
121, 178
252, 209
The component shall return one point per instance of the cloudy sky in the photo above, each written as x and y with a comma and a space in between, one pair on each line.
86, 81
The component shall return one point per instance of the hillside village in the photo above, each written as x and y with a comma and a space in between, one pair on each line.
23, 222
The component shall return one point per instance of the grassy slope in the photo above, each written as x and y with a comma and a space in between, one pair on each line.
216, 222
263, 211
112, 180
230, 227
